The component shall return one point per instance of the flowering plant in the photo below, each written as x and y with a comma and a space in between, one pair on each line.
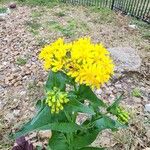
76, 69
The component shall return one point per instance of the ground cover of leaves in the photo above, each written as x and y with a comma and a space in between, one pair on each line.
23, 33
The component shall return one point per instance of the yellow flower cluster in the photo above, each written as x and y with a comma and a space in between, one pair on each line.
56, 99
88, 63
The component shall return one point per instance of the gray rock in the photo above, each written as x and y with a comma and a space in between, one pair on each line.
4, 15
133, 26
147, 107
45, 134
125, 59
16, 112
9, 117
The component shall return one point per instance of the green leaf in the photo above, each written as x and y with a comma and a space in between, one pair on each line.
56, 79
105, 123
76, 106
40, 105
86, 93
85, 139
57, 142
39, 148
92, 148
115, 103
41, 119
62, 127
119, 125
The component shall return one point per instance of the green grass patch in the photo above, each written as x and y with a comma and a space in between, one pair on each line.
136, 92
3, 10
60, 14
105, 15
36, 14
143, 27
49, 3
21, 61
41, 42
67, 31
84, 26
33, 24
53, 24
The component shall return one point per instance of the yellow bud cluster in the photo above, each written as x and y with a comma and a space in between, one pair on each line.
56, 99
122, 115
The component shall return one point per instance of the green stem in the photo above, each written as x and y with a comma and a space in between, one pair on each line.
68, 116
69, 135
75, 88
74, 117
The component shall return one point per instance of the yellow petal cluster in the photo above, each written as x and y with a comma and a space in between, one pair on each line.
84, 61
56, 99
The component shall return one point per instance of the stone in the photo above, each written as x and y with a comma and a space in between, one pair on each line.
12, 6
133, 26
3, 16
32, 135
16, 112
119, 86
1, 105
147, 107
148, 133
125, 59
45, 134
98, 91
137, 99
23, 93
9, 117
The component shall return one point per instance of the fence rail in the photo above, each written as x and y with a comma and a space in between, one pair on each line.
137, 8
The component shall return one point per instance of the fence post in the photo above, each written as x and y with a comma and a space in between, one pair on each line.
112, 6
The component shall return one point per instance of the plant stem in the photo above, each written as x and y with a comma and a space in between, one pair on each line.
68, 116
75, 88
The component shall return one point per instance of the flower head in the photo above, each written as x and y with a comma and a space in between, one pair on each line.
56, 99
87, 63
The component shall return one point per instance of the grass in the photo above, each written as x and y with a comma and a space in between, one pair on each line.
105, 15
143, 27
3, 10
84, 26
21, 61
36, 14
136, 93
34, 26
41, 42
60, 14
67, 31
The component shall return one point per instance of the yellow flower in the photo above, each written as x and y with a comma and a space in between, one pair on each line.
54, 55
84, 61
56, 99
